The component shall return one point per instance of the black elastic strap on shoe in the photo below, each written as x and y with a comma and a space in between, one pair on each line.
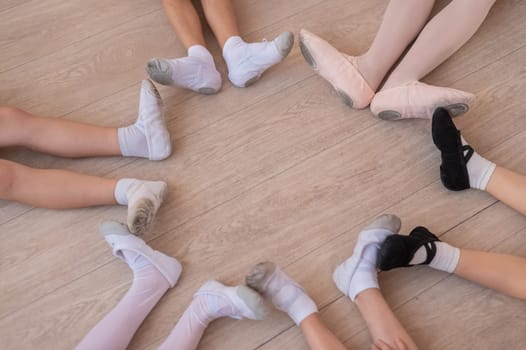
467, 156
431, 250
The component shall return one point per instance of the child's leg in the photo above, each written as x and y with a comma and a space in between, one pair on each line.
402, 96
508, 187
290, 297
148, 137
356, 78
213, 300
357, 278
60, 189
153, 274
504, 273
56, 136
185, 22
221, 17
447, 32
55, 189
197, 71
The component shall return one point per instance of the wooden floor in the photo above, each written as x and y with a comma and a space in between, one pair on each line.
279, 171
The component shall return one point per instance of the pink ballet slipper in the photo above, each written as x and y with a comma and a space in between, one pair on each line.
337, 68
418, 100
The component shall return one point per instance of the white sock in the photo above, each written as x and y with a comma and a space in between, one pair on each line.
286, 294
143, 199
196, 72
366, 275
446, 257
149, 136
358, 272
213, 300
247, 61
479, 169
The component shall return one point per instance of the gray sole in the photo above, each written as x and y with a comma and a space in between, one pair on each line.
307, 55
207, 91
251, 81
345, 98
389, 115
253, 300
284, 52
259, 275
457, 109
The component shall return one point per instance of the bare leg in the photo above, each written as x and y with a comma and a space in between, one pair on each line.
447, 32
504, 273
402, 22
185, 21
382, 323
318, 336
55, 189
56, 136
508, 187
221, 17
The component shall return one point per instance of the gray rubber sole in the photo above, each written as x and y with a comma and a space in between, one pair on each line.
310, 60
307, 55
454, 110
207, 91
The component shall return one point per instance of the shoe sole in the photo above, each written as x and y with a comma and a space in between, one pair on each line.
344, 97
454, 110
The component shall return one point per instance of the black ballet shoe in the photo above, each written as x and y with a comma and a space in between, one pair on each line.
453, 170
398, 250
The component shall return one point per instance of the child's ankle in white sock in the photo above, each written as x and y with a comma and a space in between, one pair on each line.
479, 170
143, 199
247, 61
286, 295
196, 72
148, 137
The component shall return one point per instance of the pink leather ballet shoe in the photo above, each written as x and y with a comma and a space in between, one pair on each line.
337, 68
418, 100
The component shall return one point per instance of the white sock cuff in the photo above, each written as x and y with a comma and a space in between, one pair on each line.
121, 134
232, 42
446, 258
201, 52
303, 307
454, 260
486, 176
362, 283
121, 189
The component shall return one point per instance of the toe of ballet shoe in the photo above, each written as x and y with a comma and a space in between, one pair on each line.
284, 43
337, 68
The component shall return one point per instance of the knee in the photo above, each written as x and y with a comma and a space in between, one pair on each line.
7, 178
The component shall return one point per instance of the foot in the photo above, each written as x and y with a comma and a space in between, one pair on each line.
286, 295
418, 100
144, 199
339, 69
148, 137
399, 251
420, 247
136, 253
217, 300
196, 72
461, 167
358, 272
248, 61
